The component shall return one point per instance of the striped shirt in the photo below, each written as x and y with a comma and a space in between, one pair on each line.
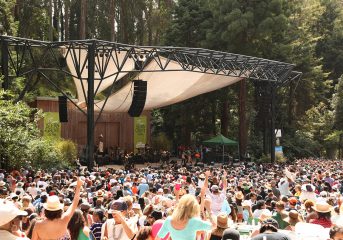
96, 230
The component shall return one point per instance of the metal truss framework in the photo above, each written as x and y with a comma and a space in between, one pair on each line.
25, 57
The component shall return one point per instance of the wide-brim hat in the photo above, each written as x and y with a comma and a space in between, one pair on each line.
8, 211
2, 183
100, 193
322, 207
222, 220
202, 176
239, 195
53, 204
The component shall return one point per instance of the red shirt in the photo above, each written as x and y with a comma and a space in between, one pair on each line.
323, 222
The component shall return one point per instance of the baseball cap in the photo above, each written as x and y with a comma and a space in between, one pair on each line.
8, 211
293, 201
118, 205
214, 188
270, 221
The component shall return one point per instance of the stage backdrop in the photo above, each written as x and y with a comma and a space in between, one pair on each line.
140, 132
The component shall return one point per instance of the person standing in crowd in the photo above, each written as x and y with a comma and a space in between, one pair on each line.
56, 222
185, 221
217, 197
77, 228
10, 217
269, 230
143, 187
98, 221
336, 233
323, 211
121, 226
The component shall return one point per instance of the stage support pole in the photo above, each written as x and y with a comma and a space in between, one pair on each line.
4, 63
272, 123
90, 105
242, 119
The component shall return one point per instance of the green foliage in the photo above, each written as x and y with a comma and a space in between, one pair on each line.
17, 129
161, 141
68, 151
9, 25
20, 140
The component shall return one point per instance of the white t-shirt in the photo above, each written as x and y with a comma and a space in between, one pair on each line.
284, 187
217, 201
32, 191
116, 231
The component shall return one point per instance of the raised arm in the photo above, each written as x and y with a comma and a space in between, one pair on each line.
224, 181
69, 213
207, 174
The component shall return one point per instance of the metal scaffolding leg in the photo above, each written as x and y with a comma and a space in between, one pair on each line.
4, 63
272, 124
90, 106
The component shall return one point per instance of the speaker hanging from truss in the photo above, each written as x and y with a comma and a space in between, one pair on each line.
139, 98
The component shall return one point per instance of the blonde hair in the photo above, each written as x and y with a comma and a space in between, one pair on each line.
187, 208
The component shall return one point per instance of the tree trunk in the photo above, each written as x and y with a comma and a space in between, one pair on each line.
83, 14
56, 18
149, 22
51, 27
66, 19
112, 19
61, 19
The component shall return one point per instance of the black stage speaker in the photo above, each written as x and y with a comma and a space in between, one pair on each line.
62, 108
139, 97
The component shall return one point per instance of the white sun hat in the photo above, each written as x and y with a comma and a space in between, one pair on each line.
53, 204
8, 211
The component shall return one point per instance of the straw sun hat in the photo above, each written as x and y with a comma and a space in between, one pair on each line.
222, 220
53, 204
239, 195
322, 207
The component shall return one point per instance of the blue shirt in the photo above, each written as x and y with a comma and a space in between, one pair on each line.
188, 233
142, 188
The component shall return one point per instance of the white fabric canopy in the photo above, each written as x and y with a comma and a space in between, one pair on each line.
109, 72
167, 87
163, 88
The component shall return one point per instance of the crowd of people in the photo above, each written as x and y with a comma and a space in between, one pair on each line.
301, 200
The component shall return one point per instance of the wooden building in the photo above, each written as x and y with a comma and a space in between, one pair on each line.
117, 129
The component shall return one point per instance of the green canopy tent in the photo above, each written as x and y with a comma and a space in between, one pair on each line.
220, 140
